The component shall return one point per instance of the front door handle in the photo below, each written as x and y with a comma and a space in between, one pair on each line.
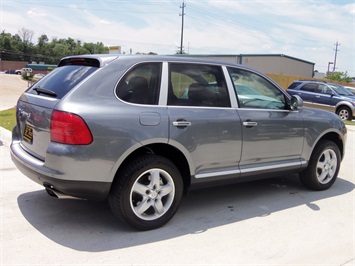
249, 124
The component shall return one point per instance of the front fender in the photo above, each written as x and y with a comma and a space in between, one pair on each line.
331, 127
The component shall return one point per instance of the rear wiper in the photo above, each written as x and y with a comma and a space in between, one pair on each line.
45, 91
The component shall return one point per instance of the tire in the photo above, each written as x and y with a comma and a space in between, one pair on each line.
344, 113
147, 192
323, 167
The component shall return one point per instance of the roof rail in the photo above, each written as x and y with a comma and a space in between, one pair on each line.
313, 80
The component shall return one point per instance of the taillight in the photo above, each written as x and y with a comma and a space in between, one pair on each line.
68, 128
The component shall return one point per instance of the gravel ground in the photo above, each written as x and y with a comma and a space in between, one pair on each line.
11, 87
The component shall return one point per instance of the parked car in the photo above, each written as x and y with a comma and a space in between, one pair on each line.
351, 89
23, 70
9, 71
122, 129
38, 76
328, 96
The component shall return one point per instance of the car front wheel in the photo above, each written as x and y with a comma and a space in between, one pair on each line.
147, 192
323, 166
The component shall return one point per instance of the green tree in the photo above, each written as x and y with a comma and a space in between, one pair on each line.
97, 48
339, 76
11, 47
19, 47
41, 51
5, 46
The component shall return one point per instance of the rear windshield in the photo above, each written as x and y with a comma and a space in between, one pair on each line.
61, 80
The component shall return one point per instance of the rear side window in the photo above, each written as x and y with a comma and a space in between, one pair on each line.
141, 84
61, 80
311, 87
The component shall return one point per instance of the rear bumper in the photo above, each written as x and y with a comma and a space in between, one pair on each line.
36, 171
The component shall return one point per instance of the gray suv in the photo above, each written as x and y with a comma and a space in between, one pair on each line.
139, 131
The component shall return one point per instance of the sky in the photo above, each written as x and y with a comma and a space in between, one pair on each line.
305, 29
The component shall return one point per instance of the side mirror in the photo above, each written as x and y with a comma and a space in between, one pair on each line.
296, 103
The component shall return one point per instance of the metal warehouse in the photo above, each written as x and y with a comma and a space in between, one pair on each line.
268, 63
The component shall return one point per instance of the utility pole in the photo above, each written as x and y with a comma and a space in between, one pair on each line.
182, 25
335, 56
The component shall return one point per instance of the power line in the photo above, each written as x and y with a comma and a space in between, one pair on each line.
112, 9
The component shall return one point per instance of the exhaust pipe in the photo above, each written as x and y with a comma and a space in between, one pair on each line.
59, 195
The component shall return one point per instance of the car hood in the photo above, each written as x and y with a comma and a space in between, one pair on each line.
351, 98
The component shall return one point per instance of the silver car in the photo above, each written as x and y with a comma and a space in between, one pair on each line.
351, 89
139, 131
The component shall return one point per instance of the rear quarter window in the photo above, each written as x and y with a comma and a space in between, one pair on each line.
294, 85
141, 84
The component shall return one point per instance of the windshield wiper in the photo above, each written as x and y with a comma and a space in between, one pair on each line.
45, 91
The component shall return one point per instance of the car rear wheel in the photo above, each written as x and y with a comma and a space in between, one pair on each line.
344, 113
147, 192
323, 166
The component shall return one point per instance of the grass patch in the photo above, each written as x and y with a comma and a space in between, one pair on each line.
349, 123
8, 118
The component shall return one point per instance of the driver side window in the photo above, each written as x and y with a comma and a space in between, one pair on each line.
254, 91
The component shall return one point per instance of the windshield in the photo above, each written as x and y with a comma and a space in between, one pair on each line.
341, 90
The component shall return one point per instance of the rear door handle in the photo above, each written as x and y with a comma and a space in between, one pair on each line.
181, 123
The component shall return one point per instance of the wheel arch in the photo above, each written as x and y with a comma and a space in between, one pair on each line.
167, 151
334, 137
342, 104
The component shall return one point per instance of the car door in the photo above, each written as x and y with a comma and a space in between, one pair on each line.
307, 93
273, 135
202, 123
323, 98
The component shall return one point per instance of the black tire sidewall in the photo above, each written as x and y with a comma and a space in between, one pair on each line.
348, 110
130, 174
309, 175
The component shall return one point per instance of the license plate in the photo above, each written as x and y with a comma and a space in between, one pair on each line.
28, 134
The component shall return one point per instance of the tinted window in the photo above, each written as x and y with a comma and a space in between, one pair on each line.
294, 85
323, 89
141, 84
79, 62
61, 80
197, 85
311, 87
254, 91
341, 90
